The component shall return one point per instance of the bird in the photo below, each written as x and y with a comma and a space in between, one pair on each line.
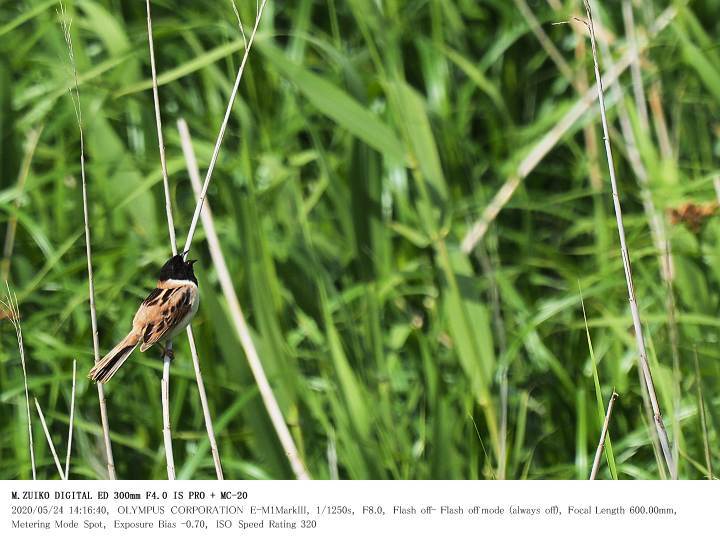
164, 313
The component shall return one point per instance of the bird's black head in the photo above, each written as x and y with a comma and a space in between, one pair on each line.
178, 269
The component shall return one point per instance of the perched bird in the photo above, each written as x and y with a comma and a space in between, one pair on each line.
165, 312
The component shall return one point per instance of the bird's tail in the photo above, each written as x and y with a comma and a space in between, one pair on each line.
106, 367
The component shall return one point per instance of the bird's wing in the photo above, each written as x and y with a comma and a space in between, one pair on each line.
161, 311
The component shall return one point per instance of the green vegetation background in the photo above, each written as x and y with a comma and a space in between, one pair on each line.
367, 138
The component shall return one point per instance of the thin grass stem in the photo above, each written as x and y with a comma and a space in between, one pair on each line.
13, 310
49, 440
88, 245
607, 441
655, 219
161, 143
193, 224
72, 420
223, 127
240, 25
165, 383
204, 405
634, 310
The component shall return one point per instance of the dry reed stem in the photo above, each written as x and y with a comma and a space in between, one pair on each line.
49, 440
88, 245
161, 143
634, 310
550, 140
198, 373
106, 431
32, 141
204, 403
654, 217
165, 383
654, 439
191, 339
237, 316
167, 431
581, 85
13, 311
223, 127
576, 24
603, 435
72, 420
198, 208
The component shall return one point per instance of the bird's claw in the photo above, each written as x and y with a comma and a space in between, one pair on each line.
168, 352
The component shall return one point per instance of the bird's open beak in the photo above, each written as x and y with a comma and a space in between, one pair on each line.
191, 261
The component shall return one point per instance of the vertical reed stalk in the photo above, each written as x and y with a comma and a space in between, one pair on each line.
634, 310
167, 432
204, 404
654, 217
248, 42
88, 245
165, 383
237, 316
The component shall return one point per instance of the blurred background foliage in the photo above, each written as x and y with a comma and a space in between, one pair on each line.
366, 140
